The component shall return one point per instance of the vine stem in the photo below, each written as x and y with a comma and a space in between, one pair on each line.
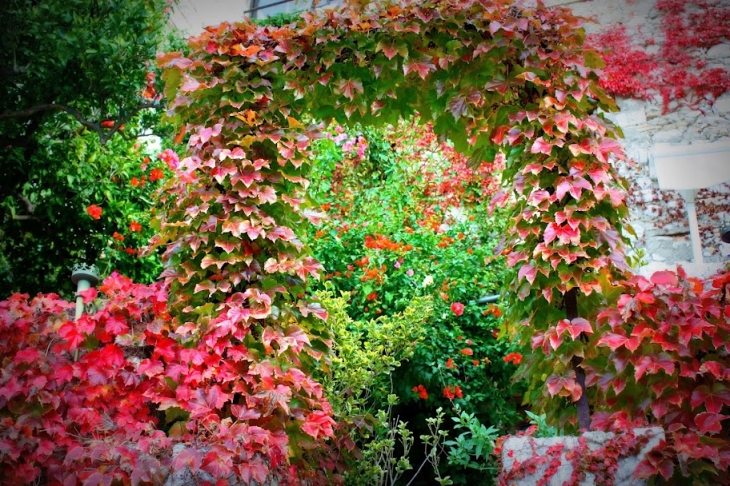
584, 413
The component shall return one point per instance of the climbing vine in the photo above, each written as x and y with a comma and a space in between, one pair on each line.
241, 335
674, 71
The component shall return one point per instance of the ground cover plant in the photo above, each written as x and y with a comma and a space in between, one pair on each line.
229, 355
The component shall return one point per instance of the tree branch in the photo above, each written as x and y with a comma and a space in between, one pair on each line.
104, 135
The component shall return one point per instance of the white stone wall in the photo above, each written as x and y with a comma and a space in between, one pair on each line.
517, 450
644, 125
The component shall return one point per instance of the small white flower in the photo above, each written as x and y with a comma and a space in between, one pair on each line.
427, 281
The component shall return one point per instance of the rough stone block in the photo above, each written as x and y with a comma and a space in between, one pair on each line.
184, 476
669, 136
719, 51
722, 104
520, 449
628, 118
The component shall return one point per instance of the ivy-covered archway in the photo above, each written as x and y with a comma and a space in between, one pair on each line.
491, 77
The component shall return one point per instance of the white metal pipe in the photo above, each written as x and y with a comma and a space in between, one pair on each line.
82, 285
694, 227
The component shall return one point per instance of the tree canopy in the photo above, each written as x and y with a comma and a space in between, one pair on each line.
78, 81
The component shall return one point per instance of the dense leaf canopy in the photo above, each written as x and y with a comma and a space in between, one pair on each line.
77, 85
491, 77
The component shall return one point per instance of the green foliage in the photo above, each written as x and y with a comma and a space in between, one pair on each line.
43, 249
80, 89
403, 226
365, 353
358, 386
516, 89
542, 428
278, 20
473, 447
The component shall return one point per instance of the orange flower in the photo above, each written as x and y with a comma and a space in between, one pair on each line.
117, 236
475, 362
450, 363
137, 182
372, 296
94, 211
156, 174
131, 251
135, 227
467, 351
515, 358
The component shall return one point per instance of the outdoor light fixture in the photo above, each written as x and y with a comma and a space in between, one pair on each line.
725, 234
84, 276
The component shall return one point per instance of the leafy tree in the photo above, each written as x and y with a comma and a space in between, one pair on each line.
78, 89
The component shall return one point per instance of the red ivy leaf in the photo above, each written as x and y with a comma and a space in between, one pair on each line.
710, 423
422, 67
713, 398
575, 327
318, 424
565, 386
652, 364
349, 87
541, 146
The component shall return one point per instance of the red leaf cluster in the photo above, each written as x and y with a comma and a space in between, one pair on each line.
669, 361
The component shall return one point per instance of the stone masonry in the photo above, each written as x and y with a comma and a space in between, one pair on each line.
645, 125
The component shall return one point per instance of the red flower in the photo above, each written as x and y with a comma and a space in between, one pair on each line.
137, 182
467, 351
107, 123
450, 363
117, 236
451, 392
156, 174
131, 251
372, 296
135, 226
94, 211
475, 362
515, 358
421, 390
457, 308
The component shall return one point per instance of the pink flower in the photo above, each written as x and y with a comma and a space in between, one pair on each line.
169, 157
457, 308
409, 272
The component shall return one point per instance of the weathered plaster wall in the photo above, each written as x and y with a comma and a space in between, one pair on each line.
644, 125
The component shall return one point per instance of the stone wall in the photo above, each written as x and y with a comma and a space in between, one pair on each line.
659, 216
527, 461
